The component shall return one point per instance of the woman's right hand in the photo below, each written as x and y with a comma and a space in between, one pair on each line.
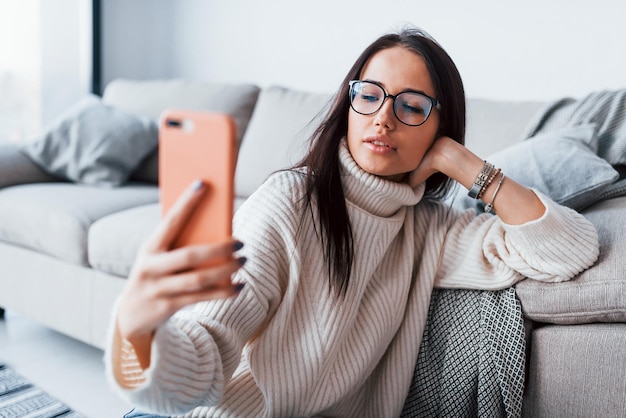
164, 280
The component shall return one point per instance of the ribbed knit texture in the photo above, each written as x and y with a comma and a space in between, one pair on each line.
310, 353
606, 108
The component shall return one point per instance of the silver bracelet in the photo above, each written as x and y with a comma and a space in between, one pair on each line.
489, 205
479, 183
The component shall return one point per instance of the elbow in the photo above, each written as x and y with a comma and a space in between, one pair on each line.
580, 249
570, 265
587, 252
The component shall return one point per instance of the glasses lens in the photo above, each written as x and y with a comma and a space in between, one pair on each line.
412, 108
366, 98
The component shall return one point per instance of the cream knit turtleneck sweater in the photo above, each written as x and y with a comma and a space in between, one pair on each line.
287, 346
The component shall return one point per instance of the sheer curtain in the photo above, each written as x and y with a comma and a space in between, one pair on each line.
45, 62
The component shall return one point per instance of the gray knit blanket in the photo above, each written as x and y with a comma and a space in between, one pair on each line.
606, 109
471, 361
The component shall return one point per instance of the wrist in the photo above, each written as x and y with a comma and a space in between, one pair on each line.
140, 342
458, 162
127, 368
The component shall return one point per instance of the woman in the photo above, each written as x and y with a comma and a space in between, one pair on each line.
341, 255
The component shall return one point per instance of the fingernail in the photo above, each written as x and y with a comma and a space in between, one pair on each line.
242, 260
197, 185
238, 287
237, 245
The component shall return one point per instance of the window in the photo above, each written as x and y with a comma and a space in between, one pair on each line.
45, 62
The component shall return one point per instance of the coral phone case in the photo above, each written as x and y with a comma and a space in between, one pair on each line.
198, 145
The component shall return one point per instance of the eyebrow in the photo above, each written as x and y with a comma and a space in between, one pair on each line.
401, 91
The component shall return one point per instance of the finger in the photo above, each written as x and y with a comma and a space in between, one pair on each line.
173, 222
210, 278
189, 258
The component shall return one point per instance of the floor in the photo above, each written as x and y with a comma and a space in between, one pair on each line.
68, 369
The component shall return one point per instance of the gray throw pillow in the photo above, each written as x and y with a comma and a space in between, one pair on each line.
561, 164
94, 143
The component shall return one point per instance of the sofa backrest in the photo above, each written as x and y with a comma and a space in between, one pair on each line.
151, 98
493, 125
277, 136
275, 122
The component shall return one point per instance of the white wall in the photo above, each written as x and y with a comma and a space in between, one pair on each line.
536, 49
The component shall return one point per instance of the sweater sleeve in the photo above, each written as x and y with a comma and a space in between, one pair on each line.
197, 351
482, 252
194, 354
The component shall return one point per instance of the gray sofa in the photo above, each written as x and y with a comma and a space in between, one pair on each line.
66, 246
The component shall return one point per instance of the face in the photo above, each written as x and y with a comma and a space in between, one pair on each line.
379, 143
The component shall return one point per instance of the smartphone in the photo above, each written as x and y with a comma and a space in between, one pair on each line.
198, 145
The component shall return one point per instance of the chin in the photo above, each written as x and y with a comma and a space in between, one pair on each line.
396, 178
391, 176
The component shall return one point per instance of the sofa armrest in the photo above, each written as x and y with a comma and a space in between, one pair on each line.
17, 168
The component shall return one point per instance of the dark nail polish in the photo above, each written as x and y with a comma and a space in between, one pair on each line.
197, 185
238, 245
238, 287
242, 260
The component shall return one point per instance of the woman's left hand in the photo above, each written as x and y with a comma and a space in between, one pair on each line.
516, 204
430, 163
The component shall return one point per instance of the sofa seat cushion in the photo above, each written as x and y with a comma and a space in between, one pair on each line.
54, 218
596, 295
114, 240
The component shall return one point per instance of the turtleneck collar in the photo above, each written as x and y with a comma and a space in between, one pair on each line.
372, 193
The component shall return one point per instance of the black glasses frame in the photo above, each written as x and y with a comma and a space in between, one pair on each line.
434, 102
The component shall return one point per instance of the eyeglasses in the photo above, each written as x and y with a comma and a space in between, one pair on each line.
410, 107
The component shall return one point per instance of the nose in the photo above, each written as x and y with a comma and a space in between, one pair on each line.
385, 116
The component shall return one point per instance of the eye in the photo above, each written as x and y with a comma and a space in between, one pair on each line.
369, 97
416, 109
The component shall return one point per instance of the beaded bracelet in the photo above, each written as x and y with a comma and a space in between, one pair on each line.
480, 181
489, 205
493, 175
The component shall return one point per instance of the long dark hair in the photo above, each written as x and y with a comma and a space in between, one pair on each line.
323, 180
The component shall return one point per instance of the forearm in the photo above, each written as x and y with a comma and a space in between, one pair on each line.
482, 252
532, 237
514, 203
126, 364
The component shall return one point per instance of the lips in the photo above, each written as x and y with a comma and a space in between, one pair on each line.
379, 141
